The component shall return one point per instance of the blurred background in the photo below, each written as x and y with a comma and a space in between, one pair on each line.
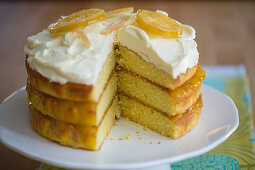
225, 35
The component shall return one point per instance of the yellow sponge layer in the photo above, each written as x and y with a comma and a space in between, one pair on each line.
171, 102
131, 61
77, 136
82, 113
174, 127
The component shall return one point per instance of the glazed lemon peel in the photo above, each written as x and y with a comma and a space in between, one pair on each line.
117, 24
155, 23
119, 12
76, 20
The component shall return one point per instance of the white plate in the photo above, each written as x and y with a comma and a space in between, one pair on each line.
219, 119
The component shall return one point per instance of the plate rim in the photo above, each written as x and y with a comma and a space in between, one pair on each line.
143, 164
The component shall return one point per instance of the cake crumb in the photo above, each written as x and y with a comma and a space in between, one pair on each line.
150, 142
112, 138
137, 132
135, 124
139, 138
120, 138
114, 124
138, 135
128, 137
158, 142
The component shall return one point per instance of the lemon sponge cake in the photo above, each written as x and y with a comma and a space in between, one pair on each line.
91, 67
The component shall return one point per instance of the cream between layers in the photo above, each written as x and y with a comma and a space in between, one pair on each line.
67, 58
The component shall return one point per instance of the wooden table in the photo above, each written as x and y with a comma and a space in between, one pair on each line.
225, 35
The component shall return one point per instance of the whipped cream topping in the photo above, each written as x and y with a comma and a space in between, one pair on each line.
174, 56
69, 58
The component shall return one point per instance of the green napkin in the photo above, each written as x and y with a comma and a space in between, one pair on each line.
238, 151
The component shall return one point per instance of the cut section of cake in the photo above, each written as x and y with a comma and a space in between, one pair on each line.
77, 112
78, 136
91, 67
174, 126
170, 102
50, 74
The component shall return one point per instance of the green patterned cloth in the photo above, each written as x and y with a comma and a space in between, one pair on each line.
238, 151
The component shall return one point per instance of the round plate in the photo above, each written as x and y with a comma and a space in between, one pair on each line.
219, 119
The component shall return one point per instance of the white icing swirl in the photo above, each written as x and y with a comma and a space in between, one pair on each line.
68, 58
174, 56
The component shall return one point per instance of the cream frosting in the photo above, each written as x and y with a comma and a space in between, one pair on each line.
174, 56
68, 58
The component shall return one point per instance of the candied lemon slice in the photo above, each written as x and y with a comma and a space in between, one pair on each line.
158, 24
119, 11
116, 24
79, 19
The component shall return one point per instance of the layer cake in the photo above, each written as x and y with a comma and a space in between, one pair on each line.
91, 67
